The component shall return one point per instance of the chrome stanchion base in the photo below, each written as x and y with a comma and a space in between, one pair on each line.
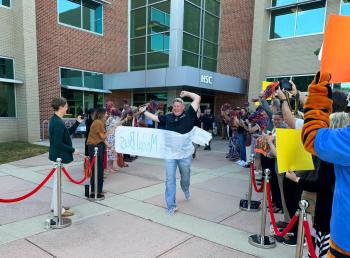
254, 205
66, 222
255, 240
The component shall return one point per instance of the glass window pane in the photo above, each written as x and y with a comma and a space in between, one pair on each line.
138, 22
159, 17
70, 12
189, 59
93, 80
157, 60
212, 6
75, 101
7, 100
190, 43
192, 19
211, 28
92, 16
71, 77
138, 45
210, 50
6, 68
197, 2
137, 3
345, 8
158, 42
5, 3
282, 23
310, 19
209, 64
283, 2
137, 62
302, 82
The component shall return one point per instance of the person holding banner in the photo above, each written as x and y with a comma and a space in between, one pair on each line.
181, 121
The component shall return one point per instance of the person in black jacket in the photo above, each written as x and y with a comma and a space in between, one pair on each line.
60, 143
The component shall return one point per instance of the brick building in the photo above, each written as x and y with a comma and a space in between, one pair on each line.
91, 51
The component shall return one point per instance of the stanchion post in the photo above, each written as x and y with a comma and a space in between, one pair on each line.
249, 204
96, 171
260, 240
60, 222
303, 204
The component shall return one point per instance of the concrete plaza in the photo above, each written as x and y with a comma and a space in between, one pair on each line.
132, 220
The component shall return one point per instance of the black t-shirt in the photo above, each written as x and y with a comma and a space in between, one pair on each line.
208, 121
180, 124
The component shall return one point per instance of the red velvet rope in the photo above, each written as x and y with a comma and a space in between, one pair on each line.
71, 179
85, 173
273, 220
309, 239
258, 190
92, 162
32, 192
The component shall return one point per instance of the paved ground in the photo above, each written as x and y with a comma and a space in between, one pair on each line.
132, 220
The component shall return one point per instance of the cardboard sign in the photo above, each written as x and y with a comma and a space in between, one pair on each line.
291, 155
335, 50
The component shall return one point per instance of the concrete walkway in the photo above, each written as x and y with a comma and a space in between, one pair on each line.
132, 220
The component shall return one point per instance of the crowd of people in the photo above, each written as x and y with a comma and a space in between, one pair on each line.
278, 106
281, 106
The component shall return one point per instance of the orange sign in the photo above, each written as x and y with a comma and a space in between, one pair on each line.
336, 50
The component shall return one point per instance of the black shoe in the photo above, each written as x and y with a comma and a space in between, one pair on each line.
292, 241
99, 196
206, 148
279, 239
209, 148
193, 155
128, 160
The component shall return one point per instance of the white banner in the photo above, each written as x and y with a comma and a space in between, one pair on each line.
158, 143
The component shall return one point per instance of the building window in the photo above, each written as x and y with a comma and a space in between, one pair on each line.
5, 3
201, 34
80, 102
301, 81
149, 34
83, 14
7, 90
345, 7
7, 100
80, 78
6, 68
298, 19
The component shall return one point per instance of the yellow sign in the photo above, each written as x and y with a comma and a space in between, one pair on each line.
291, 154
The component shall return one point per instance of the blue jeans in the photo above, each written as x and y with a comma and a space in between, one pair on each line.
170, 181
241, 140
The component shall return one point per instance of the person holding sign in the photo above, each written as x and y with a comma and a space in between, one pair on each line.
181, 121
331, 145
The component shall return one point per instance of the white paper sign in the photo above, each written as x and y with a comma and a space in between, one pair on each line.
157, 143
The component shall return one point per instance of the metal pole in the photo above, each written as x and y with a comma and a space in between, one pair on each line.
96, 171
60, 221
303, 204
59, 197
248, 204
264, 207
250, 181
260, 240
